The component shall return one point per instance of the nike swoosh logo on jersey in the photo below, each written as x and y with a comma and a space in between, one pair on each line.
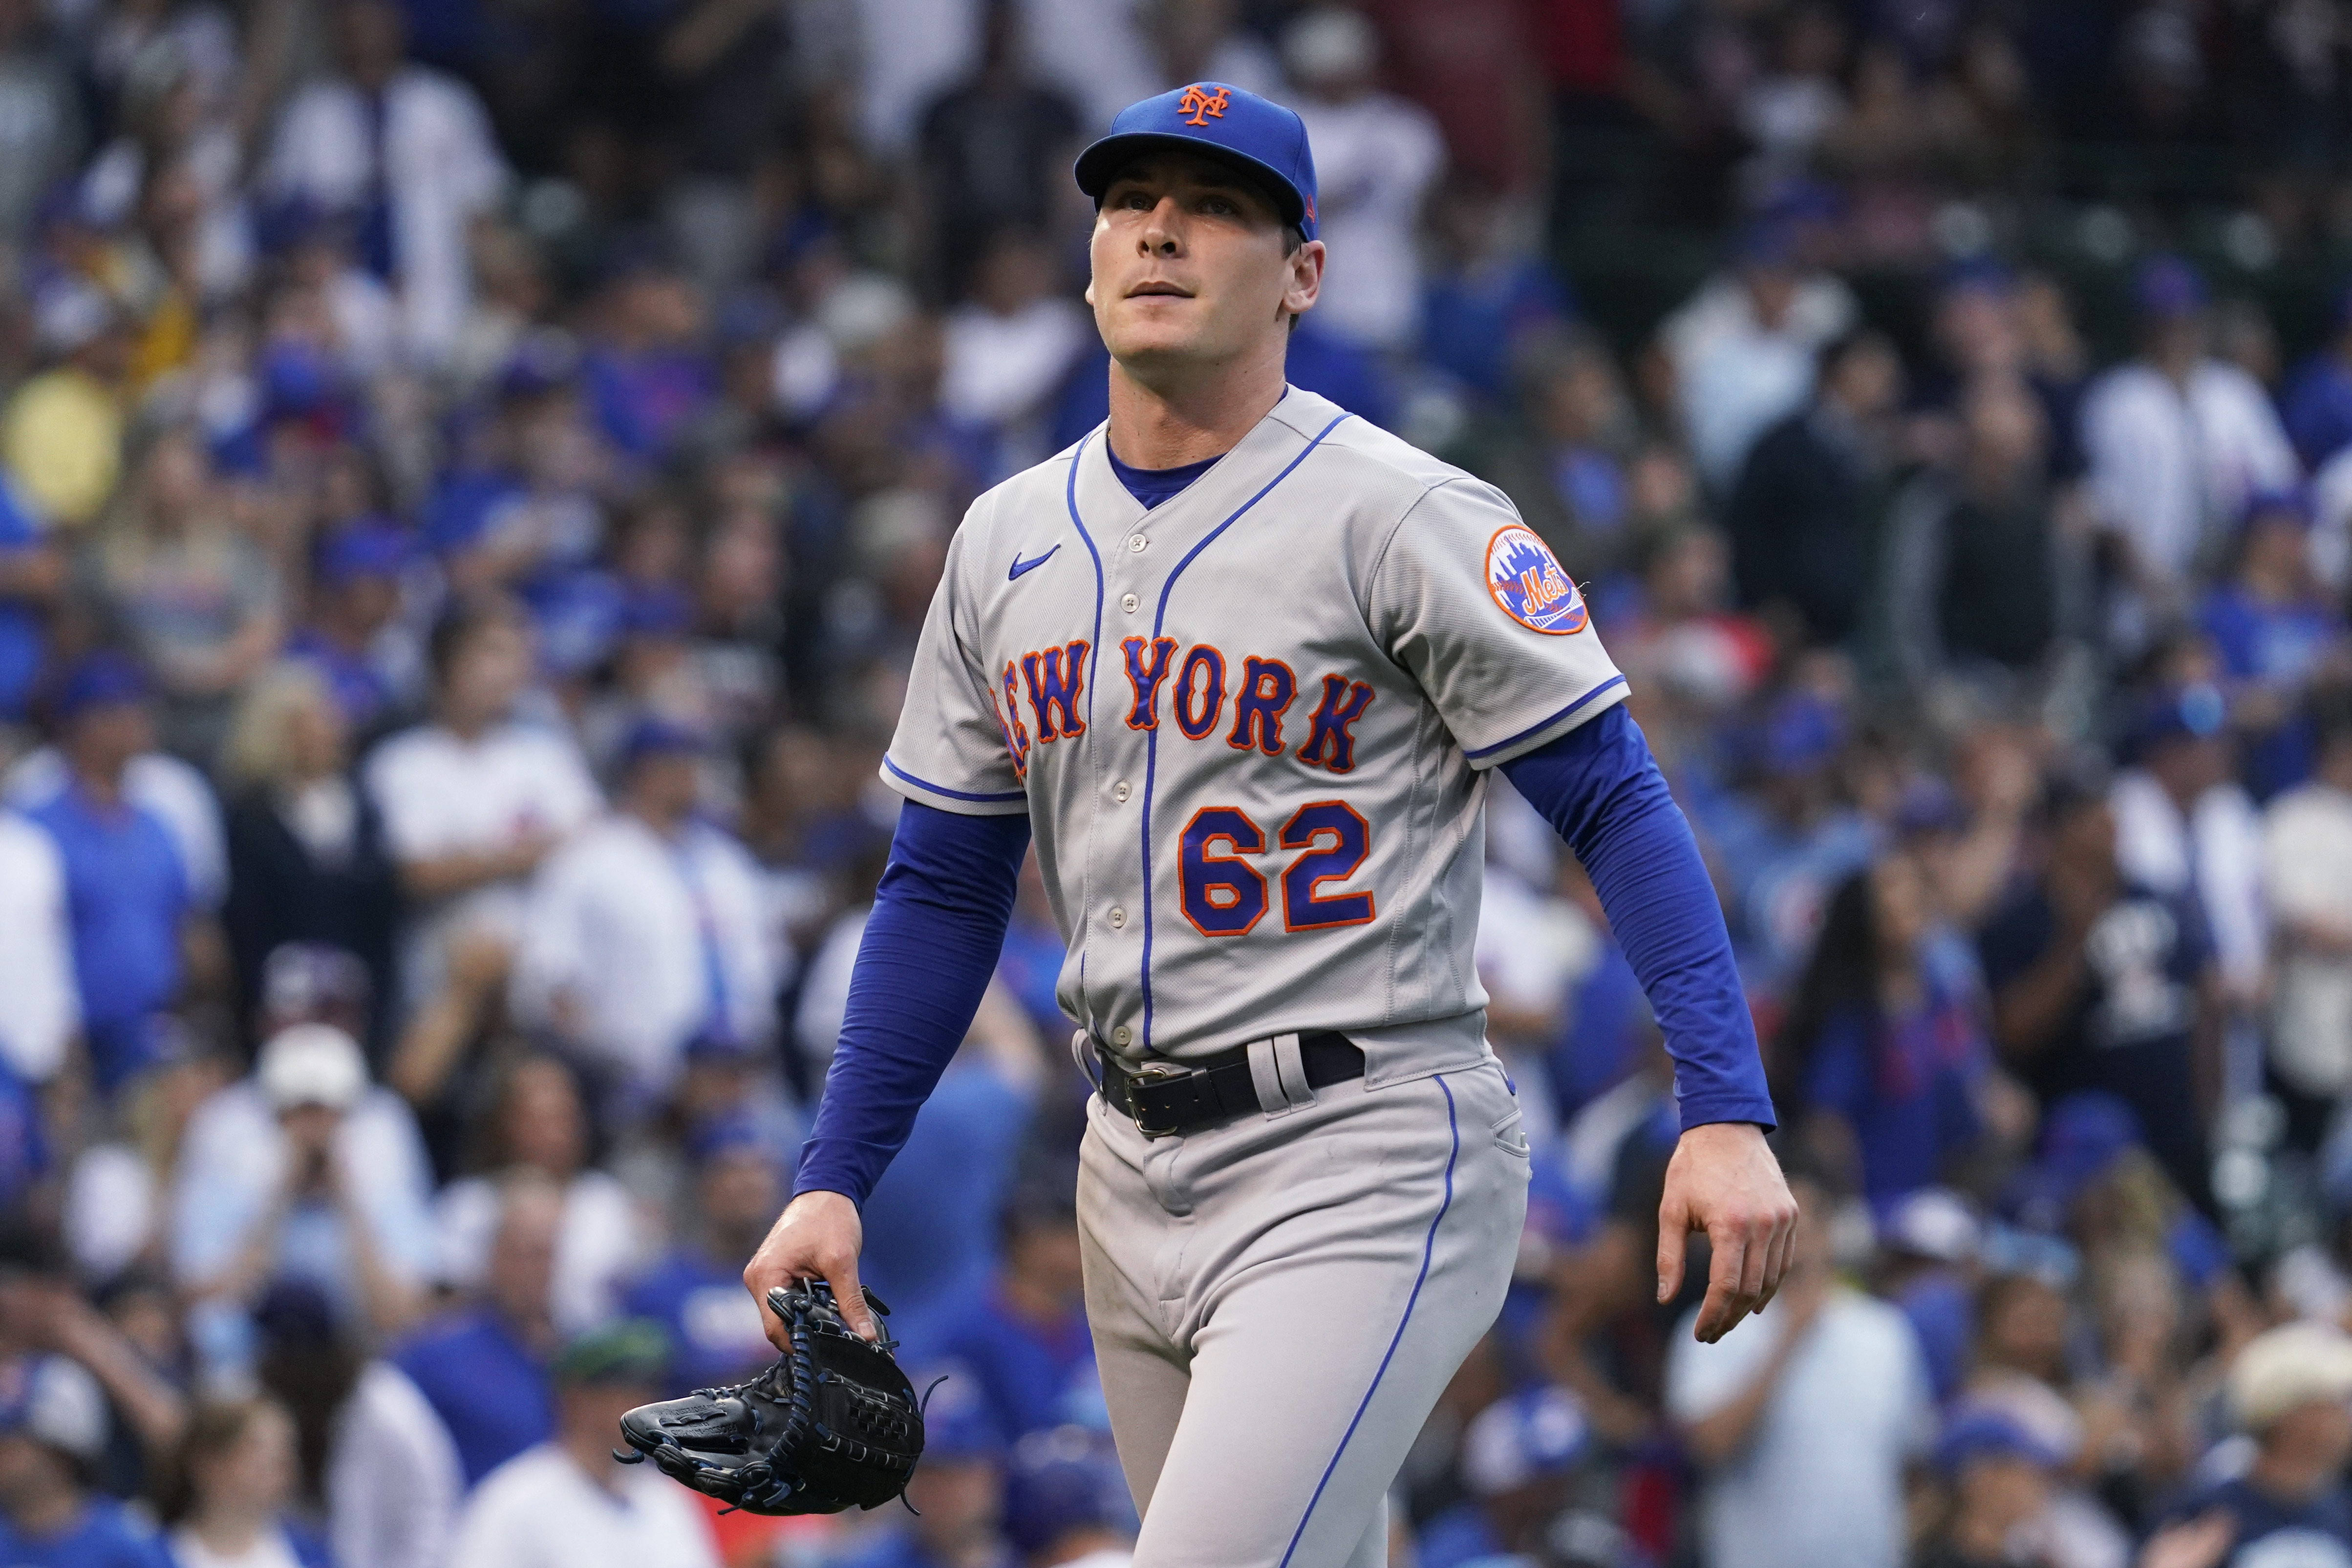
1019, 565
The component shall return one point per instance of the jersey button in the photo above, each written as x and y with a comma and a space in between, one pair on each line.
1136, 542
1122, 1036
1117, 917
1129, 602
1121, 791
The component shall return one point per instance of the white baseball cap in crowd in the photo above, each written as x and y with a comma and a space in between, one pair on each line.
2286, 1367
311, 1064
55, 1401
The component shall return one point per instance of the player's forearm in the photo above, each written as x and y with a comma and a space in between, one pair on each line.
923, 965
1601, 790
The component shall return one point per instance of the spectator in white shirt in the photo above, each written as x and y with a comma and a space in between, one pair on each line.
1744, 347
2186, 827
538, 1124
393, 1479
567, 1503
2177, 440
474, 801
305, 1170
408, 153
1375, 157
1009, 350
1828, 1399
41, 1008
647, 929
2307, 878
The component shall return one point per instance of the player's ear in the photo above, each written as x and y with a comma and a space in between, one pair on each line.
1305, 278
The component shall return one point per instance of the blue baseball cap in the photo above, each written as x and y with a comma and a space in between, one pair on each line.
1256, 135
2169, 288
106, 679
655, 736
1061, 1480
2291, 502
1982, 1432
367, 547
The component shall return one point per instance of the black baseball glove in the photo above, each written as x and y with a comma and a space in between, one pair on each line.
835, 1423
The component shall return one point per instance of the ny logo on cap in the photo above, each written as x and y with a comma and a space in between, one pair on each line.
1199, 107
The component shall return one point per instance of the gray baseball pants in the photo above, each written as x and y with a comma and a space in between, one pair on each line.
1277, 1303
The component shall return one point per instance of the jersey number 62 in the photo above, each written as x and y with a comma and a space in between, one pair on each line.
1224, 895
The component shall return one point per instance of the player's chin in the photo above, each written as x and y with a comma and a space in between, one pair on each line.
1156, 332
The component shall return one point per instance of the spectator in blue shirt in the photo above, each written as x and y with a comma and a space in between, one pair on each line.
1879, 1062
483, 1366
127, 890
2274, 625
1066, 1500
1024, 1340
646, 374
2291, 1388
696, 1291
2317, 406
32, 575
52, 1430
1484, 298
355, 593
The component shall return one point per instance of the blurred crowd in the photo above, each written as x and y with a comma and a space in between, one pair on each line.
471, 476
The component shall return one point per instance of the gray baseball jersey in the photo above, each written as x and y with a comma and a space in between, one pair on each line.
1249, 727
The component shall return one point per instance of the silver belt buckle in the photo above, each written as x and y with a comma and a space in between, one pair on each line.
1150, 1072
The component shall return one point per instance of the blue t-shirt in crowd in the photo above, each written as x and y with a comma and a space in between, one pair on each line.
1470, 320
1907, 1085
21, 643
126, 894
1031, 1377
641, 400
488, 1388
1606, 1012
107, 1535
1031, 968
2278, 645
1456, 1538
1942, 1308
2275, 1534
2317, 409
930, 1222
896, 1547
714, 1325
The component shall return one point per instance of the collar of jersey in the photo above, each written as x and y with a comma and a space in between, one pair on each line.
1112, 512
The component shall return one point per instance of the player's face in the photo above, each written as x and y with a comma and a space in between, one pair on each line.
1189, 266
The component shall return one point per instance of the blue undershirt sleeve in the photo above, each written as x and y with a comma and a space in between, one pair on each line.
930, 947
1599, 786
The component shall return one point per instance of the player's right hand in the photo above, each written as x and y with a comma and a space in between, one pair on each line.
817, 1236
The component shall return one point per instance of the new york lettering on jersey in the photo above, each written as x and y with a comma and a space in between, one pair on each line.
1248, 726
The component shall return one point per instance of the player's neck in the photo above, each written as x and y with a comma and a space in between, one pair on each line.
1188, 415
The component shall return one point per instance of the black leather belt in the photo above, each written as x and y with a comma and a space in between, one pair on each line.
1166, 1100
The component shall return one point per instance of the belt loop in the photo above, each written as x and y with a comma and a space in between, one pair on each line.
1080, 1040
1267, 1078
1291, 1068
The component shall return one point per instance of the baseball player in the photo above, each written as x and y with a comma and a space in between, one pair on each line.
1239, 663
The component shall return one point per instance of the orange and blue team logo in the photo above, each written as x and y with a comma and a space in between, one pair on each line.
1199, 106
1527, 581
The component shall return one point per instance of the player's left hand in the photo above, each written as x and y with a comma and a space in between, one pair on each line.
1724, 1181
